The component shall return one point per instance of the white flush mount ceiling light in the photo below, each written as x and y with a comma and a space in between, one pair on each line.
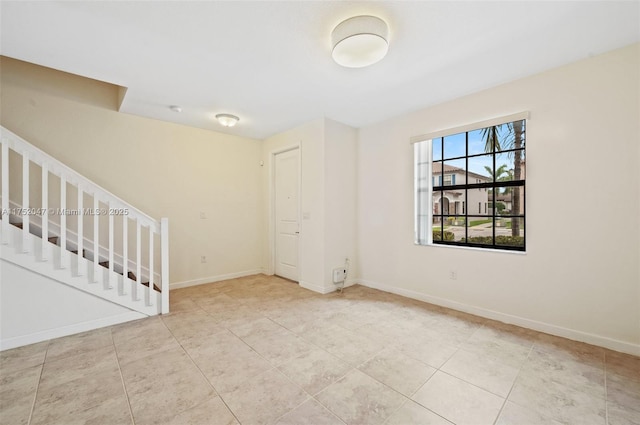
175, 108
360, 41
227, 120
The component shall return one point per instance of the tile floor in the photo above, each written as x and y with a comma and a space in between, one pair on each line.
261, 350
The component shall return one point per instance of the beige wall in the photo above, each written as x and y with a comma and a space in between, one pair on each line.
580, 276
164, 169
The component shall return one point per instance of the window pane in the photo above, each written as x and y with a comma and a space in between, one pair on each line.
455, 145
510, 232
511, 136
477, 142
437, 148
454, 173
482, 169
453, 228
508, 164
480, 230
510, 200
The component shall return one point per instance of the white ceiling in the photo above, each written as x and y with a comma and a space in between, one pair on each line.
270, 62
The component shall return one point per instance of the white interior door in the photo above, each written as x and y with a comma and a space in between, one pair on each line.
287, 188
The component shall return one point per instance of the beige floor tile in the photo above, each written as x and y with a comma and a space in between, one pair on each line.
623, 379
17, 393
557, 401
79, 343
458, 401
229, 364
278, 347
112, 411
345, 344
427, 350
388, 333
482, 371
212, 411
621, 415
143, 339
264, 398
315, 370
502, 333
257, 328
212, 344
229, 329
159, 387
180, 305
290, 320
236, 316
313, 326
584, 377
400, 372
570, 350
413, 413
512, 414
622, 364
624, 391
81, 399
360, 399
191, 325
310, 412
23, 357
65, 369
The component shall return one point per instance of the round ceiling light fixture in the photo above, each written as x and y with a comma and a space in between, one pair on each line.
360, 41
227, 120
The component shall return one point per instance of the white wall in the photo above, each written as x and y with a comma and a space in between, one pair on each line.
164, 169
328, 199
580, 275
340, 199
35, 308
310, 138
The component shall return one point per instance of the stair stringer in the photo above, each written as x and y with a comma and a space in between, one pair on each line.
118, 292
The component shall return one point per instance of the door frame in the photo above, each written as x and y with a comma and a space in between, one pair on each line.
272, 206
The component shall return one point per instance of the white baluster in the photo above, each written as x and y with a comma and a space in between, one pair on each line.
125, 253
80, 231
150, 293
138, 256
96, 232
164, 251
5, 194
25, 201
45, 212
63, 223
109, 281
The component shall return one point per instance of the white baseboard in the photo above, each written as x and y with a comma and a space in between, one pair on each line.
326, 289
321, 289
602, 341
19, 341
218, 278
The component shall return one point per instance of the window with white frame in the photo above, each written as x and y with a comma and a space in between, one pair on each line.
483, 166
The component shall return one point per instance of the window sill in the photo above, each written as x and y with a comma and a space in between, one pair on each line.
472, 248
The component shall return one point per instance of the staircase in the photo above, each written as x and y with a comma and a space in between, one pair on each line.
110, 249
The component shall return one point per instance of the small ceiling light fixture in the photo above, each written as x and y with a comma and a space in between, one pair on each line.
175, 108
227, 120
360, 41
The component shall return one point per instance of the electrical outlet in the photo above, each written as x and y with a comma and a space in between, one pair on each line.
453, 275
203, 215
203, 258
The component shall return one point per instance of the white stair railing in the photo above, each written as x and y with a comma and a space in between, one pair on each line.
116, 254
